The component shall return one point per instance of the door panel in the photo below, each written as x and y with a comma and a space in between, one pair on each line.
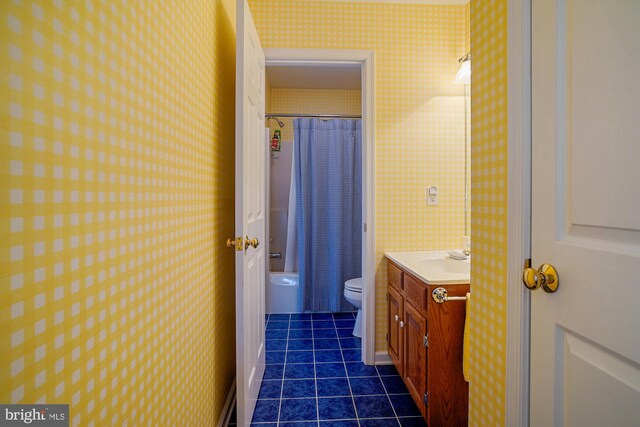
591, 373
585, 339
250, 214
415, 365
607, 93
395, 314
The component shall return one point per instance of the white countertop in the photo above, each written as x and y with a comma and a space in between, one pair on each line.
433, 267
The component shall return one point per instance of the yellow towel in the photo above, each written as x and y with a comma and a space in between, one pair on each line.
466, 354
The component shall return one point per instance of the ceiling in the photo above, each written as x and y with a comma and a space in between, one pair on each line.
441, 2
314, 77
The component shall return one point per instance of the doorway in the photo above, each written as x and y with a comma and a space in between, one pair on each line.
346, 67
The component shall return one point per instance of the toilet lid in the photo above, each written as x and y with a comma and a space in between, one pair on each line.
354, 285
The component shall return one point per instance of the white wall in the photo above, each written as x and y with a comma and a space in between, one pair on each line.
280, 182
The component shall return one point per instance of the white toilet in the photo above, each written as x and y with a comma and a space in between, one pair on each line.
353, 294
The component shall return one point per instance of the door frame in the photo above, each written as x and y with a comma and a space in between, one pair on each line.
364, 58
519, 211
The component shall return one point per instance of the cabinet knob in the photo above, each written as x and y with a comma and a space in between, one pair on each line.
397, 318
401, 324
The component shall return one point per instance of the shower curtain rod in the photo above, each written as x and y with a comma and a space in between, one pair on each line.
317, 116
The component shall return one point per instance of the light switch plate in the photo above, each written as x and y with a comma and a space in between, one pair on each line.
432, 195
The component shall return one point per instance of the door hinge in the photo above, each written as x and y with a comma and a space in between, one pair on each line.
386, 337
425, 398
365, 227
425, 340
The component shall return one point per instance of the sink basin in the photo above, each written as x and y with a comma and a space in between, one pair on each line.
433, 267
447, 265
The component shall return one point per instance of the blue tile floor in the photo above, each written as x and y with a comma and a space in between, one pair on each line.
314, 377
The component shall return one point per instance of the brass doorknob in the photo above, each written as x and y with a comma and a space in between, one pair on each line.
254, 243
545, 277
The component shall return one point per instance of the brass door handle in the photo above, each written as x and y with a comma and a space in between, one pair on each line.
254, 243
545, 277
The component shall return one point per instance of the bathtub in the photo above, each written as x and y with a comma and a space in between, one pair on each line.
282, 293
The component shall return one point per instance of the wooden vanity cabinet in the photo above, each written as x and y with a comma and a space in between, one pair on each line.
425, 344
415, 361
394, 337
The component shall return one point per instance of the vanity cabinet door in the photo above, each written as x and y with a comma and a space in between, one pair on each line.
395, 315
415, 362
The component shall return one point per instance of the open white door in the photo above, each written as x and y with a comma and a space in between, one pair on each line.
250, 214
585, 338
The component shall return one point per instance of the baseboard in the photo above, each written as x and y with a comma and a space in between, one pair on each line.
382, 358
229, 404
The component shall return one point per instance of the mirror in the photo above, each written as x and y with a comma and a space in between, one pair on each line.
463, 77
467, 159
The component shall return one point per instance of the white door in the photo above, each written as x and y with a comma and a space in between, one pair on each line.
250, 214
585, 338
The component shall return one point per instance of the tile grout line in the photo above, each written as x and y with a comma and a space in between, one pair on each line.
315, 375
346, 371
313, 351
333, 397
337, 419
284, 367
387, 394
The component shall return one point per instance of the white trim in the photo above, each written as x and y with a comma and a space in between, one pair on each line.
310, 57
267, 211
229, 404
368, 213
383, 358
364, 58
519, 223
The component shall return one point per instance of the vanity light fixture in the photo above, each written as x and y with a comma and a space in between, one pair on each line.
463, 76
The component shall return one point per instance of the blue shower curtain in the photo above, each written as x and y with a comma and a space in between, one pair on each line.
328, 174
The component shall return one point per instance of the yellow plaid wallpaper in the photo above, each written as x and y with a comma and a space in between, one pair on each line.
467, 26
311, 101
419, 112
488, 212
116, 293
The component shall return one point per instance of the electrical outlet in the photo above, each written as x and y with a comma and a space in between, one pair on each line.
432, 195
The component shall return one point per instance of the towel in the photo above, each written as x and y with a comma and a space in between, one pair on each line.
466, 354
460, 255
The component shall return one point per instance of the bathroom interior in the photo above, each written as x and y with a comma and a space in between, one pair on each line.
313, 96
314, 347
118, 197
112, 224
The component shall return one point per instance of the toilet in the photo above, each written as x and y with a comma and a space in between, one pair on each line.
353, 294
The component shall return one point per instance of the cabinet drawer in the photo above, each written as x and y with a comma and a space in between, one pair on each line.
415, 292
394, 276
